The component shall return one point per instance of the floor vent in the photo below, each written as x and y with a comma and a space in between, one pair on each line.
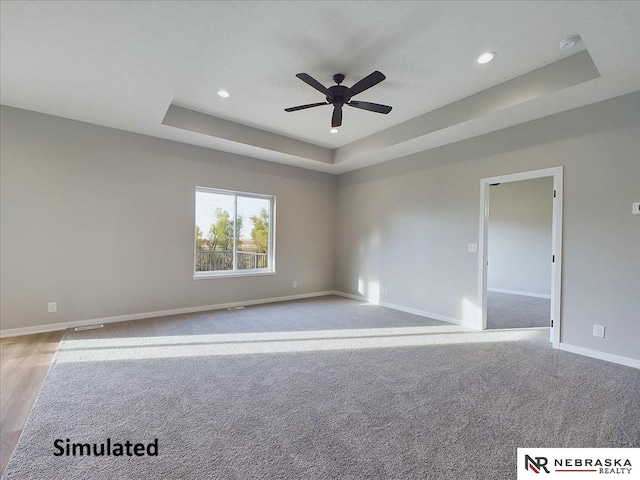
231, 309
87, 327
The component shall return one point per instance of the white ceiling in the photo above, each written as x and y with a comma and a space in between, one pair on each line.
122, 64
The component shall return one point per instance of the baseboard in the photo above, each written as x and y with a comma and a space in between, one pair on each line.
414, 311
608, 357
517, 292
13, 332
423, 313
358, 298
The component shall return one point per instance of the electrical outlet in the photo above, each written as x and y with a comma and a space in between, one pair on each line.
295, 284
598, 331
472, 247
52, 307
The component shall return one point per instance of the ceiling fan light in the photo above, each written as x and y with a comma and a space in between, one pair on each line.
223, 93
486, 57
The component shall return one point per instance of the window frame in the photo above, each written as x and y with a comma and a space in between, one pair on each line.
249, 272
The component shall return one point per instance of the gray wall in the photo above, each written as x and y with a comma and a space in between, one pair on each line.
405, 225
102, 222
519, 236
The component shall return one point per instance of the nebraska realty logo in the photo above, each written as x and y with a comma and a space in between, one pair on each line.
583, 463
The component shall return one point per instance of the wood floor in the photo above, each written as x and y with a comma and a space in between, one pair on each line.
24, 362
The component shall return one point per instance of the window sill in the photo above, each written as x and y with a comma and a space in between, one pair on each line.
227, 274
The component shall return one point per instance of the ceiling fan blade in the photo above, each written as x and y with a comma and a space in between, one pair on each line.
309, 80
302, 107
372, 107
336, 118
367, 82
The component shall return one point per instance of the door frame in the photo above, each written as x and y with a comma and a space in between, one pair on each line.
556, 244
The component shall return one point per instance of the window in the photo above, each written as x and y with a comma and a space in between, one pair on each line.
234, 233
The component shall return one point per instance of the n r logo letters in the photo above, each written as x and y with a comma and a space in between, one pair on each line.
536, 465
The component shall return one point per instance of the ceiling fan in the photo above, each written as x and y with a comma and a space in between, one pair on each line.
339, 95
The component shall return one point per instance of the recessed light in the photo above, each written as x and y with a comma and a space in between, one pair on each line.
486, 57
333, 130
223, 93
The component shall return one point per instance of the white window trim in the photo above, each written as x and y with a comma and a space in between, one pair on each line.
271, 261
231, 274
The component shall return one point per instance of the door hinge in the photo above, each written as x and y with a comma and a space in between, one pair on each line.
552, 322
554, 194
553, 259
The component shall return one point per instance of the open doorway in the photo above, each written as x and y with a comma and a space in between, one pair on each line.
520, 252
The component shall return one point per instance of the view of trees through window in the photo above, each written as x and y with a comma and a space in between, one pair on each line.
232, 231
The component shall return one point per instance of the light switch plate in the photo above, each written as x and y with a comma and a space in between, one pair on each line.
472, 247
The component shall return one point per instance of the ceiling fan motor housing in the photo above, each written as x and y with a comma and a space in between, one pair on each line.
339, 94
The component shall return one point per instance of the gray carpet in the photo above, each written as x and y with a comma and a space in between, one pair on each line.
321, 388
505, 310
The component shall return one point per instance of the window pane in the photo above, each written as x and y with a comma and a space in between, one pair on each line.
253, 233
233, 233
214, 231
